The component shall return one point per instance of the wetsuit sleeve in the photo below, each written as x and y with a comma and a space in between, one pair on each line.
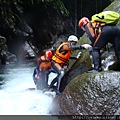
73, 57
77, 47
92, 39
70, 47
39, 61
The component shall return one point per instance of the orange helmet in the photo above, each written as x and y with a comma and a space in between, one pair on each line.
48, 54
83, 21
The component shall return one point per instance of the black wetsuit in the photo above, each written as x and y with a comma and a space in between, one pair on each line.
60, 73
111, 34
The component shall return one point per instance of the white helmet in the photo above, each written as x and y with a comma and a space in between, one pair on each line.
73, 38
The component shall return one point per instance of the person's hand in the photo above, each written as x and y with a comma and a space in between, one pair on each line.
37, 77
65, 68
87, 46
78, 55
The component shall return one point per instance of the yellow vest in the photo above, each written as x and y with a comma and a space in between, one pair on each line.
62, 56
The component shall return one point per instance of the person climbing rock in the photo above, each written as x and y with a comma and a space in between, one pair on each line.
61, 58
100, 33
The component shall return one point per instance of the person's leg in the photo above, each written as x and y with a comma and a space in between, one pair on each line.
41, 82
56, 70
47, 72
105, 37
96, 60
35, 74
60, 75
59, 81
53, 82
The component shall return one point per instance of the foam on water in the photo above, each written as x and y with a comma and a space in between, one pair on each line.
16, 97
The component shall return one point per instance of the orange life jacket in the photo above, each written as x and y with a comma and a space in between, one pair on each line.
94, 28
45, 64
62, 56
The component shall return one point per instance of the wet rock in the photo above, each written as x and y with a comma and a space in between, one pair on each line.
28, 50
2, 42
5, 56
90, 94
75, 68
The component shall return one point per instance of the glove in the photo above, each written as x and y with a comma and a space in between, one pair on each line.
87, 46
78, 55
82, 48
65, 68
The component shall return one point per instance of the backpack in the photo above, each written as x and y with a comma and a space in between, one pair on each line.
107, 17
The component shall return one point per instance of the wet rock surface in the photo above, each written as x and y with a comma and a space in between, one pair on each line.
90, 94
5, 56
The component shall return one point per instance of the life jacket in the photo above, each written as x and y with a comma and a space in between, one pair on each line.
62, 56
94, 28
45, 64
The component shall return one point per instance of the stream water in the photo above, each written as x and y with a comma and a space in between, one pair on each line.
16, 94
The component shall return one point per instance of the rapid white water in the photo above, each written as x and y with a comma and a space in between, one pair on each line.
15, 96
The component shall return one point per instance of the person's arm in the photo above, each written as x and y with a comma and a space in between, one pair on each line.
91, 35
38, 62
88, 47
71, 47
73, 57
78, 47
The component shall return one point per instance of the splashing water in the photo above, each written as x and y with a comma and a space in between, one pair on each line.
107, 62
16, 97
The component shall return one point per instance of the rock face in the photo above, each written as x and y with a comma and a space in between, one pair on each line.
5, 55
28, 50
90, 94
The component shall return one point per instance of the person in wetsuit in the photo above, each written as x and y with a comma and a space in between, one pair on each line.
43, 69
108, 33
61, 58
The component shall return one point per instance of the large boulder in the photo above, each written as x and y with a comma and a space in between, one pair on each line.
90, 94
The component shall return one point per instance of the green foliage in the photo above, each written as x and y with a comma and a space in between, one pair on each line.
9, 17
57, 4
11, 11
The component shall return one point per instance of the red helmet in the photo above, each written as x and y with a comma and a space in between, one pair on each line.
83, 21
48, 54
